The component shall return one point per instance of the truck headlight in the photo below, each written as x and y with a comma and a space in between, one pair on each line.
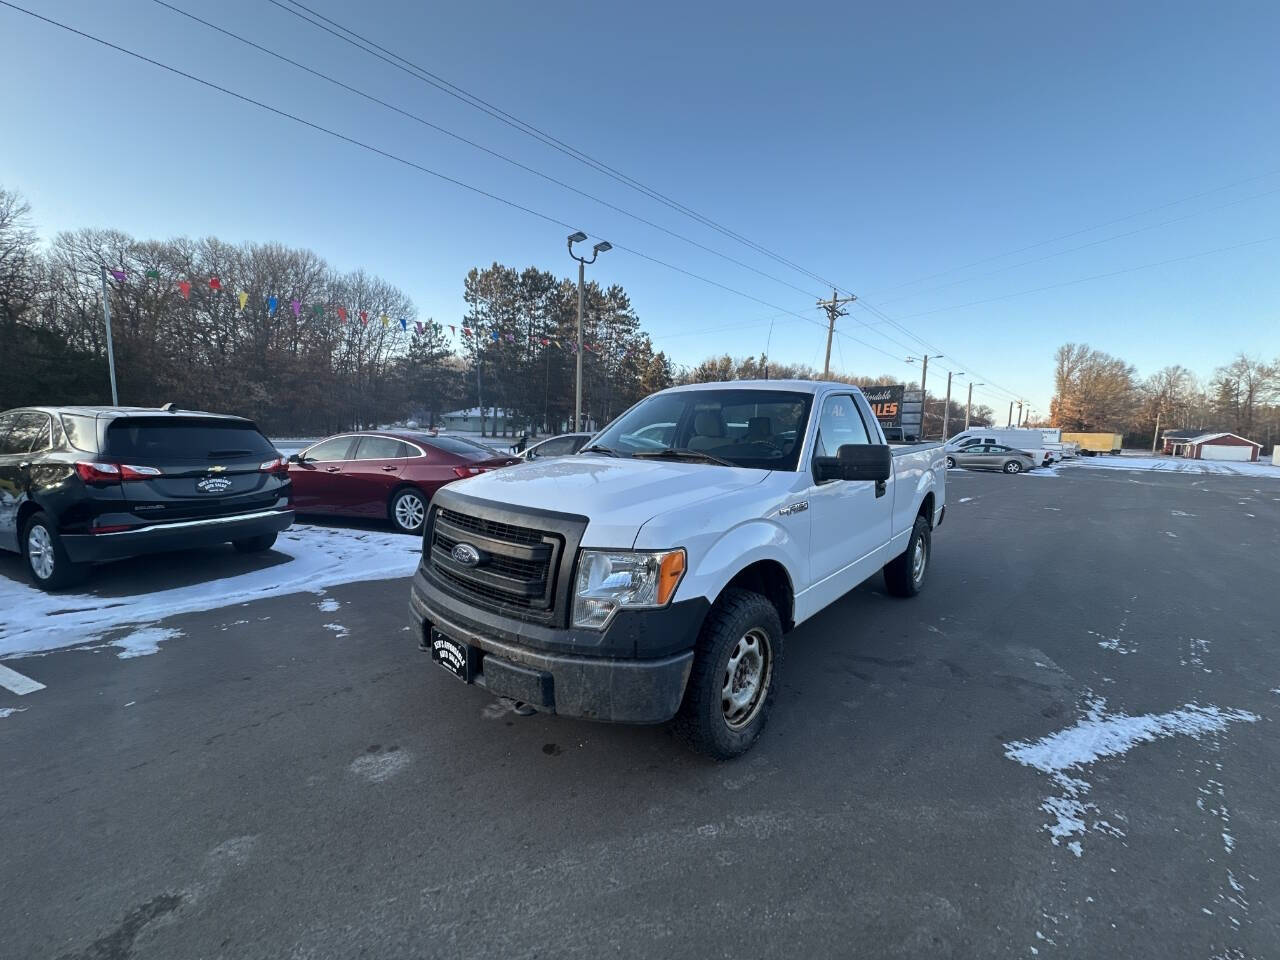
610, 579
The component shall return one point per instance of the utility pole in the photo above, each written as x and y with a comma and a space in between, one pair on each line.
1019, 413
833, 308
924, 397
1156, 436
1009, 422
111, 354
946, 406
968, 410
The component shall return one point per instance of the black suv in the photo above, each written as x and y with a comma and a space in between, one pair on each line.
80, 484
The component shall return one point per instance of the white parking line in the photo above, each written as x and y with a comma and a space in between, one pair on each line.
16, 682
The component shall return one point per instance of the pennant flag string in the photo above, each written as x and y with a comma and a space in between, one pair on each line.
297, 307
185, 287
215, 284
272, 303
243, 298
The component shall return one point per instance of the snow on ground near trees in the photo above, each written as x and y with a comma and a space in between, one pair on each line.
1179, 465
32, 621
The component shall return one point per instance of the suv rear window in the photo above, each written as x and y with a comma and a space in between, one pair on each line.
175, 440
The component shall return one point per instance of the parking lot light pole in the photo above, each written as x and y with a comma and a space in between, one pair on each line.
602, 247
968, 410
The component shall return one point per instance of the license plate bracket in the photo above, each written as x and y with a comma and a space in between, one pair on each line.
458, 658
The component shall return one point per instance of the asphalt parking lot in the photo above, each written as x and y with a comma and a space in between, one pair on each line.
1064, 747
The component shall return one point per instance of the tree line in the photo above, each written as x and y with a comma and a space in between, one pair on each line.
300, 373
1094, 391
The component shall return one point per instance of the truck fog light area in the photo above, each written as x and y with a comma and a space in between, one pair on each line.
608, 580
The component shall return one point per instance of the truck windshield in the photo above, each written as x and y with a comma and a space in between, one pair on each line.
761, 429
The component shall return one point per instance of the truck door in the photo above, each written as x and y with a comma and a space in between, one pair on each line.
851, 524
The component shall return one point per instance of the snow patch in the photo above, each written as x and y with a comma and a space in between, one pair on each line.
1170, 533
329, 605
32, 621
144, 642
1181, 513
1179, 465
10, 711
1100, 736
377, 767
966, 499
337, 628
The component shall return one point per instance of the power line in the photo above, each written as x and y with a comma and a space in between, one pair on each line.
424, 75
478, 146
1090, 229
410, 163
1083, 246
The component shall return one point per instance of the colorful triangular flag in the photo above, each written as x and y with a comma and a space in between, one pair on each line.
215, 283
243, 298
185, 287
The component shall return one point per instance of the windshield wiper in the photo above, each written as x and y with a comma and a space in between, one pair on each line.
680, 453
599, 448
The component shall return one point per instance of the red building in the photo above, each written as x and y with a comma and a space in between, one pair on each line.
1216, 446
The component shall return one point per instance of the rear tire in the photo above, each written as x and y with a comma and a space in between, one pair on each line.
904, 575
256, 544
951, 463
1012, 466
734, 676
47, 562
408, 510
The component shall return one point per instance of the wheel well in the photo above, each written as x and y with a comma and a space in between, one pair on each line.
926, 508
26, 510
769, 579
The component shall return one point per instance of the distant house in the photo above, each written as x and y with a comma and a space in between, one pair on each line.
468, 420
1216, 446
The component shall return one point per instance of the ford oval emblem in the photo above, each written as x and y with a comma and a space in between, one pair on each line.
465, 554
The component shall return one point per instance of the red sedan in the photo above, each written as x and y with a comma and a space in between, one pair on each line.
384, 474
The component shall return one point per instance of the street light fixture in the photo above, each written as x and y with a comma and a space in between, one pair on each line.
604, 246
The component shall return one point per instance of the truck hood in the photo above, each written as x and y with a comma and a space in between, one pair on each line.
617, 495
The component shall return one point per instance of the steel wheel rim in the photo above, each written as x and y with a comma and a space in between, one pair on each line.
919, 557
410, 511
746, 679
40, 552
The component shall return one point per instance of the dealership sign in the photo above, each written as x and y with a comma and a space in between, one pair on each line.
886, 403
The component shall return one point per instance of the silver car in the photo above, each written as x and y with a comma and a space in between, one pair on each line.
990, 456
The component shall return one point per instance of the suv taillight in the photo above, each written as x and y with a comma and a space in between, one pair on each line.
279, 466
101, 473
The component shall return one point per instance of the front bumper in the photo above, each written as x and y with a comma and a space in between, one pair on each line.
527, 662
183, 535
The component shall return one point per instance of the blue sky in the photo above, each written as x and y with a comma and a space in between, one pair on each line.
874, 145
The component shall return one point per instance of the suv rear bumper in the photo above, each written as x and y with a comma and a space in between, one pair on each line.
608, 688
182, 535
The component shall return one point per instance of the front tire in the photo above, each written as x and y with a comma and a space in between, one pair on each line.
734, 676
47, 562
256, 544
408, 510
1012, 466
904, 575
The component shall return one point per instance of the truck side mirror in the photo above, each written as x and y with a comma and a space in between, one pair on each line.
856, 461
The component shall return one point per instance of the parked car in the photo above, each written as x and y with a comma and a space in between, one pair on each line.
384, 475
564, 445
991, 456
83, 484
637, 582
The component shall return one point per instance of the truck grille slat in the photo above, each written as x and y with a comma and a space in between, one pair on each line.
518, 569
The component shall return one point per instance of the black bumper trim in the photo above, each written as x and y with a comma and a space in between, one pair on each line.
161, 538
594, 688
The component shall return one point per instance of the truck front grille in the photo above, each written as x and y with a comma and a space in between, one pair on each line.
517, 566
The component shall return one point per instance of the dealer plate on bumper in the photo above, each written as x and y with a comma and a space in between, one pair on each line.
458, 658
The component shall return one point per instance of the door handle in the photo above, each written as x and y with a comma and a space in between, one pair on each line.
388, 467
332, 469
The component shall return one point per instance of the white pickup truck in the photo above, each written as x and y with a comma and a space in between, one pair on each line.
653, 575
